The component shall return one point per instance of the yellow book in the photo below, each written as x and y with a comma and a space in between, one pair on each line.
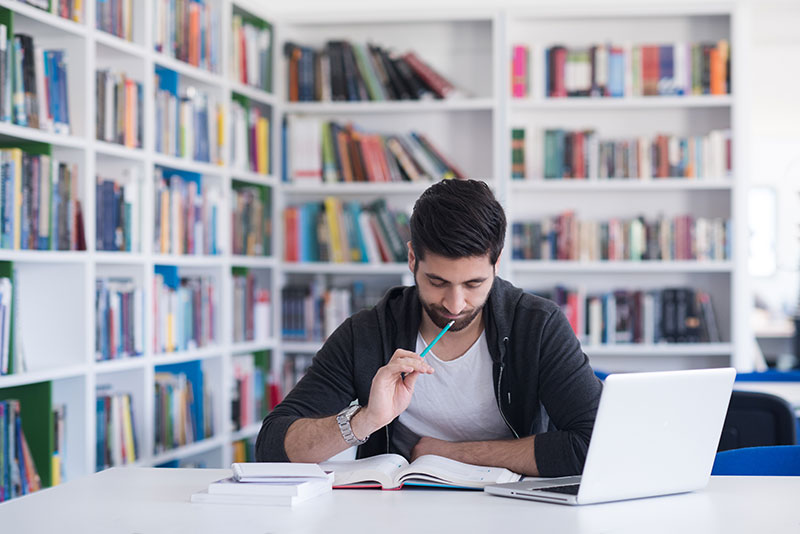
335, 242
127, 427
262, 144
220, 134
55, 466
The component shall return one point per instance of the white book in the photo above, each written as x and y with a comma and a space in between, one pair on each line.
204, 497
391, 471
276, 471
303, 489
41, 95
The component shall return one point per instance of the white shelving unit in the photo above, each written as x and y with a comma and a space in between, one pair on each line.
472, 48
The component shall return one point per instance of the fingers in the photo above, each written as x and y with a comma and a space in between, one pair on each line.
408, 365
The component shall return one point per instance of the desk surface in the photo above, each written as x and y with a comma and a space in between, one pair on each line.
149, 500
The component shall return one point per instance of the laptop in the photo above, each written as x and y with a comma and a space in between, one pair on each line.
655, 434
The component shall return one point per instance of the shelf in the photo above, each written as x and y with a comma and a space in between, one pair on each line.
621, 185
192, 449
254, 93
166, 358
303, 347
187, 260
118, 258
357, 188
678, 266
253, 177
54, 21
44, 256
247, 432
41, 136
34, 377
253, 346
187, 70
346, 268
640, 102
394, 106
118, 151
660, 350
185, 164
119, 44
120, 364
253, 261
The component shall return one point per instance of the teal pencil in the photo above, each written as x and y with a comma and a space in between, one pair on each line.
437, 338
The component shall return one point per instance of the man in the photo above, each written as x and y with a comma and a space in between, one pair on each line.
506, 386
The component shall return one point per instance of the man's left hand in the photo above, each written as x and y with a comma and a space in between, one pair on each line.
427, 445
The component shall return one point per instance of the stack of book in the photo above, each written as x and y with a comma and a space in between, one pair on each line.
185, 311
353, 71
251, 308
115, 17
118, 213
252, 219
189, 30
267, 484
332, 231
182, 406
635, 70
33, 84
320, 151
119, 312
18, 473
250, 136
251, 38
564, 237
119, 109
646, 316
116, 433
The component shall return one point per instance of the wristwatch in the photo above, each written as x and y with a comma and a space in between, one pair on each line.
343, 418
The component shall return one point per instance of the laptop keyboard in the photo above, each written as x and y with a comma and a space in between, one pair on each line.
571, 489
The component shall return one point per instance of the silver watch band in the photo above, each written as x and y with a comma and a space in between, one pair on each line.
343, 419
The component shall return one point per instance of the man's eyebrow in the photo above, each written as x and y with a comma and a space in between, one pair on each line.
440, 279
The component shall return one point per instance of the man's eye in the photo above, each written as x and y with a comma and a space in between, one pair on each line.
437, 284
474, 285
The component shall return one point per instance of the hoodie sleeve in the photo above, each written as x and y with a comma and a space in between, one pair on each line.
326, 388
570, 392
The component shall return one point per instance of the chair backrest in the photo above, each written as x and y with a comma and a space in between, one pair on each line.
781, 460
757, 420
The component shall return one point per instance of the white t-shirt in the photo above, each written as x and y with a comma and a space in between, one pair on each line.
456, 402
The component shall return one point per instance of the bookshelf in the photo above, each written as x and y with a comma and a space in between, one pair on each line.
472, 48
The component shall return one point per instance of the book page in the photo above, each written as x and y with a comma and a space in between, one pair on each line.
380, 469
440, 470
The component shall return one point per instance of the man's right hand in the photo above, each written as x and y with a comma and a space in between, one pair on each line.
391, 394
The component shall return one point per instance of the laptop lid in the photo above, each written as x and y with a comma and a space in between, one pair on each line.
655, 434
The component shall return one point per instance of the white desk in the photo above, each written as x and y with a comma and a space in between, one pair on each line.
148, 501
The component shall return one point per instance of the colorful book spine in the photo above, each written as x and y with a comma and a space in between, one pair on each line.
115, 17
251, 312
119, 312
117, 442
185, 311
183, 402
190, 31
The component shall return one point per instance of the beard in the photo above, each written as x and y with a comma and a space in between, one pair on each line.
438, 314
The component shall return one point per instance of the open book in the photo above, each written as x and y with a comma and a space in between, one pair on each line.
392, 471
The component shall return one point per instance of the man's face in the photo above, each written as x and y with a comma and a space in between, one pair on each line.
452, 289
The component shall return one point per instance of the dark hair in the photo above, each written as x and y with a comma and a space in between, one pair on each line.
458, 219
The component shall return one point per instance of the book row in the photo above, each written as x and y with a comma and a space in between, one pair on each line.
583, 154
565, 237
119, 109
185, 311
344, 70
118, 212
250, 391
252, 317
40, 207
252, 219
119, 319
68, 9
188, 212
627, 70
18, 473
250, 138
321, 151
251, 60
189, 123
115, 17
183, 406
116, 441
332, 231
33, 84
189, 30
668, 315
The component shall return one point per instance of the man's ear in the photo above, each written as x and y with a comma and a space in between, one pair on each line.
411, 257
497, 263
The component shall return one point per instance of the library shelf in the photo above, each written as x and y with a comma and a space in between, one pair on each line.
619, 185
245, 433
659, 349
349, 268
253, 93
198, 447
43, 375
643, 102
645, 266
394, 106
240, 347
48, 19
9, 130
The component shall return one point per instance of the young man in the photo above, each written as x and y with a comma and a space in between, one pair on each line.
506, 386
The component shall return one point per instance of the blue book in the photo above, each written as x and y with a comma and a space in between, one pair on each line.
194, 375
357, 238
666, 70
616, 73
20, 116
100, 451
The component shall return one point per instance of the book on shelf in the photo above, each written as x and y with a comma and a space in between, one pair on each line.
119, 312
349, 71
638, 316
518, 171
68, 9
115, 17
251, 307
327, 152
183, 406
116, 438
392, 471
59, 444
633, 70
189, 122
40, 208
244, 450
251, 211
251, 50
583, 154
250, 135
345, 232
190, 31
119, 108
565, 237
18, 473
118, 212
249, 401
188, 212
185, 310
520, 71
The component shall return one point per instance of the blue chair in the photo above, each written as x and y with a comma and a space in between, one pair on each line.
780, 460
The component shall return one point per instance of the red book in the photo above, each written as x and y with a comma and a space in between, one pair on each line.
290, 222
559, 60
438, 84
650, 70
243, 56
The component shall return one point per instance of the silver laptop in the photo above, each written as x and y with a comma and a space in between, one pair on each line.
655, 434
